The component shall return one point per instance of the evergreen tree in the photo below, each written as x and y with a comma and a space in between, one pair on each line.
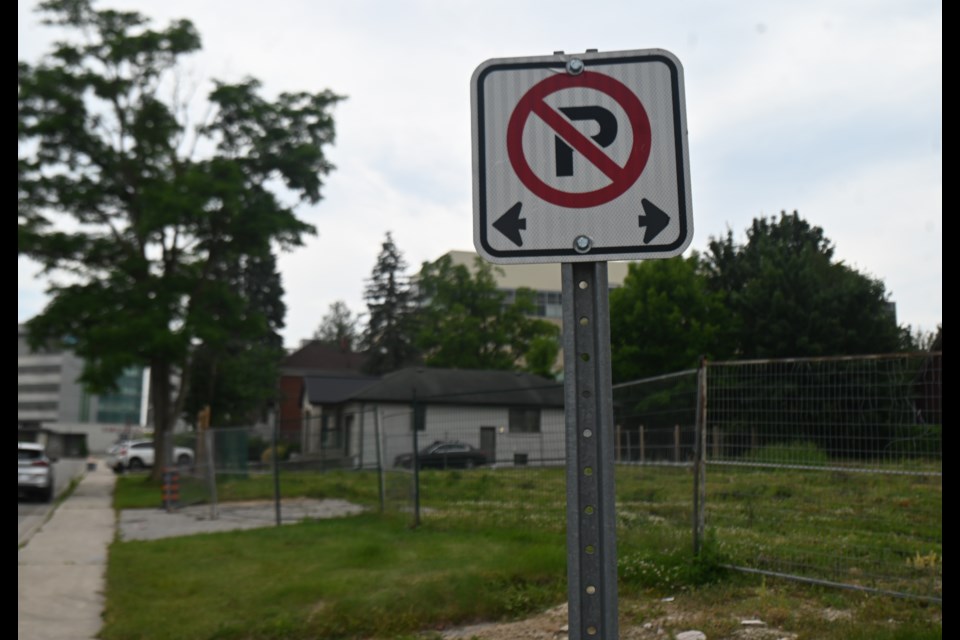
234, 372
389, 335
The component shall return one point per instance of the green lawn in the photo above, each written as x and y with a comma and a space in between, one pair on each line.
356, 577
492, 546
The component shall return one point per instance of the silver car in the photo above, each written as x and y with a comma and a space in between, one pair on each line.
35, 471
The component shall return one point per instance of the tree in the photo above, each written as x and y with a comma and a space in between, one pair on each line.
664, 318
918, 339
791, 299
338, 327
234, 372
389, 335
466, 322
152, 221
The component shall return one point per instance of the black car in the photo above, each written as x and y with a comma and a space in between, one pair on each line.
444, 455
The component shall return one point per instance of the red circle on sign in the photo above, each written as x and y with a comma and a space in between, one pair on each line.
622, 178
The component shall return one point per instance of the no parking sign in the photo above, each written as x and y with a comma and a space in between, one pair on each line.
580, 158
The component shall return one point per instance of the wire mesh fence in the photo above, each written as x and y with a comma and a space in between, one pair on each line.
842, 456
825, 470
656, 419
487, 456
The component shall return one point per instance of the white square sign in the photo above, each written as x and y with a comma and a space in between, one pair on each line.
580, 158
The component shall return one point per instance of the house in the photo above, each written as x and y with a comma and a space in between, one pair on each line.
313, 358
514, 418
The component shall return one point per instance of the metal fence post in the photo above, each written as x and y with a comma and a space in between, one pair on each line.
700, 460
381, 476
676, 443
416, 462
276, 472
209, 436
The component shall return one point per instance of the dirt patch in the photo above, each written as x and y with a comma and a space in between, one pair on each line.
549, 625
552, 625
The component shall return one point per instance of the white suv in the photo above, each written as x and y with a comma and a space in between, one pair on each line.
138, 454
34, 471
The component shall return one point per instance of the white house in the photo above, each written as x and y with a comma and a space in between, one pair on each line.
514, 418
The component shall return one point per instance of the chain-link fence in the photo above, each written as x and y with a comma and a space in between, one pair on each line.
436, 455
842, 455
490, 454
824, 470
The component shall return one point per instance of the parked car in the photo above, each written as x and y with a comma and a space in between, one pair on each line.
34, 471
138, 454
444, 455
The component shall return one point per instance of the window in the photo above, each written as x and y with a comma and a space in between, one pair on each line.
524, 420
38, 388
420, 416
329, 431
39, 368
37, 406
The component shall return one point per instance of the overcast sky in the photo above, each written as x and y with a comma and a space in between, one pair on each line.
829, 107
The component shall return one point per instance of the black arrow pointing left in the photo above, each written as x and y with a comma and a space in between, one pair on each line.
510, 224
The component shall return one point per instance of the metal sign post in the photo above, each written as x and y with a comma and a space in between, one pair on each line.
580, 159
588, 396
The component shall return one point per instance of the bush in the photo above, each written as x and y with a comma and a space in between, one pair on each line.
256, 448
285, 451
267, 456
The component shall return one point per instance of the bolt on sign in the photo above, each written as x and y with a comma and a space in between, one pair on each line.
580, 158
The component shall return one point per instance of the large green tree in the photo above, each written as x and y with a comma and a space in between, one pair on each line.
145, 222
465, 321
390, 332
790, 298
664, 318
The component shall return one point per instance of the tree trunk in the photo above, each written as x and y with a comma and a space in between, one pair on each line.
162, 419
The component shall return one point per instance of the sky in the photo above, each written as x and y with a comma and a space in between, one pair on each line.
832, 108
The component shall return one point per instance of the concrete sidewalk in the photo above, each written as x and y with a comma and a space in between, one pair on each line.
61, 570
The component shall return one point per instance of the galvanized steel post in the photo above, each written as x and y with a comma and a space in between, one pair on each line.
588, 396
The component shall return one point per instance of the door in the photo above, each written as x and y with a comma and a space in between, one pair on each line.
488, 443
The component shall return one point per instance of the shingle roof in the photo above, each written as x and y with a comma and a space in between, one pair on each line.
316, 356
335, 389
465, 387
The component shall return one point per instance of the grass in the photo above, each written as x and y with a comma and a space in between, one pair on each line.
793, 453
360, 577
493, 547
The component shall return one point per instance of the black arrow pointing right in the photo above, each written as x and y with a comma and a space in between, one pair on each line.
655, 220
510, 224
